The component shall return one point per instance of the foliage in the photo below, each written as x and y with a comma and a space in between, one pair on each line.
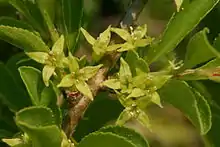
47, 88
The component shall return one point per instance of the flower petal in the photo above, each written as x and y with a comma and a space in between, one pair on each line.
39, 57
47, 73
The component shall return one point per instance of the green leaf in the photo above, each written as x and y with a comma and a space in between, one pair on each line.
40, 95
32, 80
8, 21
112, 83
72, 17
73, 63
136, 64
143, 119
136, 92
124, 72
67, 81
11, 93
30, 11
13, 142
143, 42
58, 46
104, 37
39, 124
89, 71
84, 89
158, 79
40, 57
130, 134
156, 99
124, 34
47, 73
88, 37
190, 102
23, 39
199, 50
100, 139
124, 116
48, 6
179, 26
140, 32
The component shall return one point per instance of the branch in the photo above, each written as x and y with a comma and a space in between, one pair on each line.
76, 110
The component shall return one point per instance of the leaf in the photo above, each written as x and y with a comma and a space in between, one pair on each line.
136, 92
48, 6
23, 39
143, 42
8, 21
124, 34
104, 37
179, 26
136, 64
47, 73
39, 124
158, 79
191, 103
124, 116
32, 80
84, 89
143, 119
58, 46
156, 99
13, 142
72, 11
112, 83
108, 139
40, 57
199, 50
140, 32
130, 134
88, 37
124, 72
67, 81
89, 71
40, 95
30, 11
11, 93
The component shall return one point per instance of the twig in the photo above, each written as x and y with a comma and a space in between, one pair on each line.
77, 110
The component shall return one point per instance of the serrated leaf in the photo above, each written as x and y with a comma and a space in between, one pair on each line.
39, 124
23, 39
124, 72
72, 12
124, 34
112, 83
100, 139
179, 26
88, 37
199, 50
193, 105
8, 21
67, 81
32, 80
58, 46
84, 88
89, 71
130, 134
39, 94
40, 57
11, 93
47, 73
